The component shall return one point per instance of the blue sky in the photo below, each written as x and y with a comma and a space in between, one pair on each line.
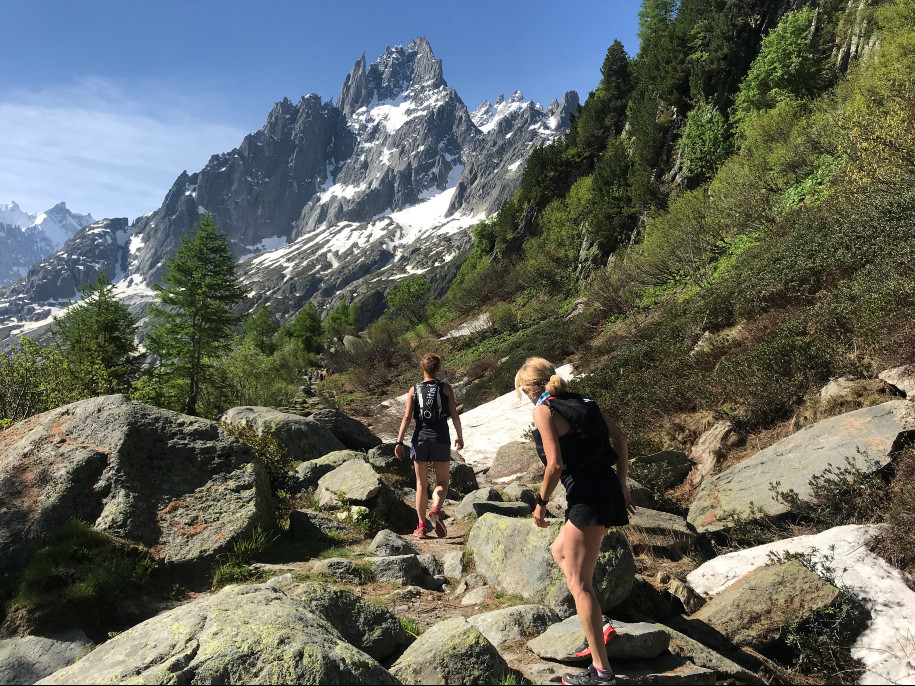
104, 102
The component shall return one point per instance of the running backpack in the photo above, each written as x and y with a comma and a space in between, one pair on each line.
584, 415
429, 401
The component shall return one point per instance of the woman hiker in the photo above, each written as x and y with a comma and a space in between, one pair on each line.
573, 438
430, 403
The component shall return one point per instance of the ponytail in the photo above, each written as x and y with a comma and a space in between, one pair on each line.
556, 385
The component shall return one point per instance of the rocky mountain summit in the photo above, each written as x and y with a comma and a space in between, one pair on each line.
328, 201
27, 237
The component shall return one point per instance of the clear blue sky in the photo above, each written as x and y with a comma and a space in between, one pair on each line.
104, 102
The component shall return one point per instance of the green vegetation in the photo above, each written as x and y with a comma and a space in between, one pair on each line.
80, 578
409, 300
236, 567
410, 626
194, 319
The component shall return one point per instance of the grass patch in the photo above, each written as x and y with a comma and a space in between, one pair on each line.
236, 565
410, 626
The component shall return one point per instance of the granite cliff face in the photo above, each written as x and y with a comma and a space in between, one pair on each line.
328, 201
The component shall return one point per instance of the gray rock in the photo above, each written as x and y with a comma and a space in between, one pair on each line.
504, 509
406, 594
870, 433
338, 568
431, 564
514, 623
659, 533
302, 438
454, 564
401, 570
27, 659
310, 473
514, 556
354, 480
350, 432
633, 641
665, 670
706, 451
752, 611
641, 496
465, 509
387, 543
901, 378
476, 596
368, 626
243, 634
513, 458
671, 466
463, 479
307, 525
837, 388
475, 580
450, 652
179, 485
692, 602
519, 493
683, 646
383, 459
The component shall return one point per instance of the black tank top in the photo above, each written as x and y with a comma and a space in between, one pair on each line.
430, 410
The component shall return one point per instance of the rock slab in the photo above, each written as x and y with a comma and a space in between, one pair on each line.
514, 556
27, 659
633, 641
450, 652
871, 433
514, 623
302, 438
354, 480
243, 634
350, 432
179, 485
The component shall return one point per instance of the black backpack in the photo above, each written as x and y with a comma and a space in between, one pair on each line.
593, 449
429, 402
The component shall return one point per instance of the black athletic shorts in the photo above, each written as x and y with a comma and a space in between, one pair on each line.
595, 498
427, 451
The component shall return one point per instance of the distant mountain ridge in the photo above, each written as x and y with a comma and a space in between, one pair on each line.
326, 201
27, 237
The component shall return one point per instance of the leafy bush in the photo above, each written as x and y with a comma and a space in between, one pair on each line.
275, 459
896, 542
411, 627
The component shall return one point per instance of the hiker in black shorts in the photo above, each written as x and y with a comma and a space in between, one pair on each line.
573, 438
430, 403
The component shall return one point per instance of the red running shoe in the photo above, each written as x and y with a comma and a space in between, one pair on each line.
421, 530
609, 634
437, 517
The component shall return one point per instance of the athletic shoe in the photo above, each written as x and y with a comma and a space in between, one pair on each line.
609, 634
421, 530
436, 516
589, 676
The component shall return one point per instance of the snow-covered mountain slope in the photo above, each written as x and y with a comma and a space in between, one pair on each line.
27, 238
335, 201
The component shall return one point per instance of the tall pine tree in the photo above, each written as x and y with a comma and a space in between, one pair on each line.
195, 320
96, 339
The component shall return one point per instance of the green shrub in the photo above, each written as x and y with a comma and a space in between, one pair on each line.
896, 542
411, 627
275, 459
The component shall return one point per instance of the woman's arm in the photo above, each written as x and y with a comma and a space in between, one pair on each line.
455, 418
543, 420
621, 446
408, 413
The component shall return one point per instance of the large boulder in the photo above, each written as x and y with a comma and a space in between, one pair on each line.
350, 432
354, 480
254, 634
481, 495
514, 623
303, 438
310, 473
514, 556
450, 652
753, 611
506, 509
512, 459
901, 378
706, 451
369, 626
670, 467
666, 669
179, 485
386, 543
27, 659
399, 570
865, 437
659, 533
632, 641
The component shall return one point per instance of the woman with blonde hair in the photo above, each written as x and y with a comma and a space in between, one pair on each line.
573, 438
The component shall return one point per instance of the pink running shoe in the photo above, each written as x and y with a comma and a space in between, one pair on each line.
437, 517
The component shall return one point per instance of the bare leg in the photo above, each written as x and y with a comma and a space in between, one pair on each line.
442, 475
422, 488
580, 548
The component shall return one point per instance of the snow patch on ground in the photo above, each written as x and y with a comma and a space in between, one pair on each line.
887, 645
475, 325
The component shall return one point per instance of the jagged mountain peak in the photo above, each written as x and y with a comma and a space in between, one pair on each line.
393, 74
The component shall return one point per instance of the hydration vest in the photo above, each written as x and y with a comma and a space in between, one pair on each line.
429, 402
588, 445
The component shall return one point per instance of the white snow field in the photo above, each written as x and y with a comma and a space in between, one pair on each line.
887, 645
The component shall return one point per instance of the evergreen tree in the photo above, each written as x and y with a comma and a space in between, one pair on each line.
195, 319
410, 299
259, 330
306, 328
604, 113
343, 321
611, 206
96, 339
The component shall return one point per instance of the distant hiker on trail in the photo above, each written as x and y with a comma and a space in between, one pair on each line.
430, 403
573, 438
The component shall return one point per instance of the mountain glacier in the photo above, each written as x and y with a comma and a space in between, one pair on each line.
327, 201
